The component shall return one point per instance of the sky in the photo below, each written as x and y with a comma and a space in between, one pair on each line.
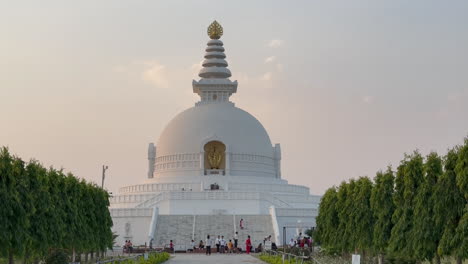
346, 87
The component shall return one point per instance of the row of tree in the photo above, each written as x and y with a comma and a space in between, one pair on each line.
418, 212
43, 210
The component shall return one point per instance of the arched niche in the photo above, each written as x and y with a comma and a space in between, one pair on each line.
215, 157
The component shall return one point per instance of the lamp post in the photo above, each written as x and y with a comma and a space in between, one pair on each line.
104, 168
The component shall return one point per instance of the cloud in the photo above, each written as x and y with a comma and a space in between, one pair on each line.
241, 77
279, 67
195, 68
457, 96
156, 74
368, 99
266, 77
270, 59
119, 68
275, 43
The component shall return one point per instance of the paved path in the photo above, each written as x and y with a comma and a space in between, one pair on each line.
213, 259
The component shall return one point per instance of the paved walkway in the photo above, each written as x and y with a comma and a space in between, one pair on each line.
213, 259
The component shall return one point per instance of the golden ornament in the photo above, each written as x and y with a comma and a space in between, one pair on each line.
215, 30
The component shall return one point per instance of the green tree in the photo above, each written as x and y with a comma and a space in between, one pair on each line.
382, 207
361, 215
344, 242
327, 220
460, 240
395, 244
449, 204
46, 209
425, 234
411, 171
14, 217
39, 237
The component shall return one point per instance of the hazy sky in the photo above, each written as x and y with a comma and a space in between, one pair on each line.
346, 87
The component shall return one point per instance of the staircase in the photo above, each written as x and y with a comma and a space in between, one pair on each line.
181, 228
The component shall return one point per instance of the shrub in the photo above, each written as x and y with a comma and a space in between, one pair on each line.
275, 259
155, 258
57, 257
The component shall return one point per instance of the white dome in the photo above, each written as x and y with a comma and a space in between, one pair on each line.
237, 129
245, 138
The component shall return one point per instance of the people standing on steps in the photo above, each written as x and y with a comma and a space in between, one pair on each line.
223, 244
192, 246
248, 245
292, 243
201, 245
218, 244
208, 243
236, 238
171, 246
241, 224
230, 246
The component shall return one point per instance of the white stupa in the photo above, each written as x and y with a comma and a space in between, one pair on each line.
213, 165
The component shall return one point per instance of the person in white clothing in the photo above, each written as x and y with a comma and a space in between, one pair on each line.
292, 243
208, 243
236, 239
222, 243
192, 246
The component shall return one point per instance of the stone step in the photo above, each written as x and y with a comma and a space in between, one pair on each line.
179, 228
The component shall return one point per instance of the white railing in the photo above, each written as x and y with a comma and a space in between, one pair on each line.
302, 212
129, 212
150, 202
280, 188
213, 195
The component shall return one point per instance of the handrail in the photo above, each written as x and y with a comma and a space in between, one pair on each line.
150, 201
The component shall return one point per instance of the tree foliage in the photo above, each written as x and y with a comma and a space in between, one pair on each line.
46, 209
382, 207
419, 212
460, 239
425, 235
449, 205
327, 222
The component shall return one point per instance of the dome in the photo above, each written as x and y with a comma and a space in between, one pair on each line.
245, 138
236, 128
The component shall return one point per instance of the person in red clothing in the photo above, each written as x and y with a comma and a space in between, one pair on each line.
171, 246
248, 245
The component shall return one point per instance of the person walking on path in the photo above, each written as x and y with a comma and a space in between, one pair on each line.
208, 243
248, 245
241, 224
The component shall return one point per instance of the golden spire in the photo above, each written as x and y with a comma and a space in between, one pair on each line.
215, 30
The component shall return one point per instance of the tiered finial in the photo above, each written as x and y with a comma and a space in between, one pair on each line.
215, 30
214, 85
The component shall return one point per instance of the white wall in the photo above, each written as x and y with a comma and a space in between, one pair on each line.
138, 232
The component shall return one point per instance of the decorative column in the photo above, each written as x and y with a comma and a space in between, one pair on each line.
202, 163
228, 163
277, 157
151, 160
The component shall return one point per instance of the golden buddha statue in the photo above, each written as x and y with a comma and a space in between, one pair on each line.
214, 158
